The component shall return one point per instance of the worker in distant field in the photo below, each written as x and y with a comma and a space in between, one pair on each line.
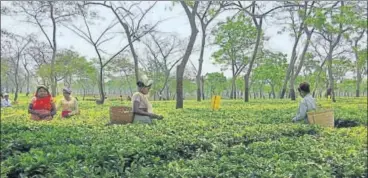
68, 104
142, 108
42, 106
5, 102
306, 104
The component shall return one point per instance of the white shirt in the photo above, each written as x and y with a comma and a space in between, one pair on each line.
307, 104
5, 103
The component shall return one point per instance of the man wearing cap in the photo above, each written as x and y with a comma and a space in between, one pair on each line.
5, 102
306, 104
68, 104
142, 108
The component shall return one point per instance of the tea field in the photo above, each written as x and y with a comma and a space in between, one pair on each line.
255, 139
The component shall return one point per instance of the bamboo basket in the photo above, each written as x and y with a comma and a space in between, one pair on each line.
323, 118
121, 115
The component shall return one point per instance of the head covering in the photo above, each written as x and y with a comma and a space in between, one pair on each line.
42, 86
6, 94
144, 82
67, 90
304, 87
42, 103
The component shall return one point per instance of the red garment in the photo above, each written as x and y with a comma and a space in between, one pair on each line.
42, 103
65, 113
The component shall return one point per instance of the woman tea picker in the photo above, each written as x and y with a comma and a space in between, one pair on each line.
306, 104
68, 104
142, 108
42, 106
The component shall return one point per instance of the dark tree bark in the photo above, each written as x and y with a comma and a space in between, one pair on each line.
181, 66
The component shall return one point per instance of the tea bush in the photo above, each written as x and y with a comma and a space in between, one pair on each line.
255, 139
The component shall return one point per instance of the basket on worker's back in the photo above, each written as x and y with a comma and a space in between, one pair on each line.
323, 118
121, 115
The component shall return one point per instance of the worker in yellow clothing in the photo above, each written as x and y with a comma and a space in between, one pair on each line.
68, 104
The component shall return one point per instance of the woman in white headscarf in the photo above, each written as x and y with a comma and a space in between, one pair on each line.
142, 108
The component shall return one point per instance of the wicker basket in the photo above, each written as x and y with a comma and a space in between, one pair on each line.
121, 115
323, 118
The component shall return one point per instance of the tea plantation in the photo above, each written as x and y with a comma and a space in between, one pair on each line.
255, 139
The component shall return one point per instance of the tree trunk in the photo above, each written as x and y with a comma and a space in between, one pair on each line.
16, 78
101, 88
291, 65
54, 48
181, 67
330, 75
28, 81
129, 37
273, 91
84, 93
246, 89
359, 76
202, 85
200, 62
292, 85
167, 92
254, 55
233, 88
302, 59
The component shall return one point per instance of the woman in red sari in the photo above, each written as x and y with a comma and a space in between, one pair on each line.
42, 106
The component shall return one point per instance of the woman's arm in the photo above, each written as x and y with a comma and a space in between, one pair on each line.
137, 110
53, 109
76, 108
31, 111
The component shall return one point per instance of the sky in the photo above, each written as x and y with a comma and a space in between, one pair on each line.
177, 23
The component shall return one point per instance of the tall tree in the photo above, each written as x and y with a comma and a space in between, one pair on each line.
191, 14
96, 42
13, 47
357, 39
122, 67
207, 12
332, 31
299, 17
216, 83
298, 25
257, 18
271, 69
360, 65
234, 38
162, 51
42, 14
131, 16
40, 55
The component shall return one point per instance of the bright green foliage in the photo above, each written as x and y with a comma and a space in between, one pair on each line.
362, 58
67, 63
189, 86
270, 69
341, 67
216, 83
241, 140
347, 85
235, 39
328, 19
4, 68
